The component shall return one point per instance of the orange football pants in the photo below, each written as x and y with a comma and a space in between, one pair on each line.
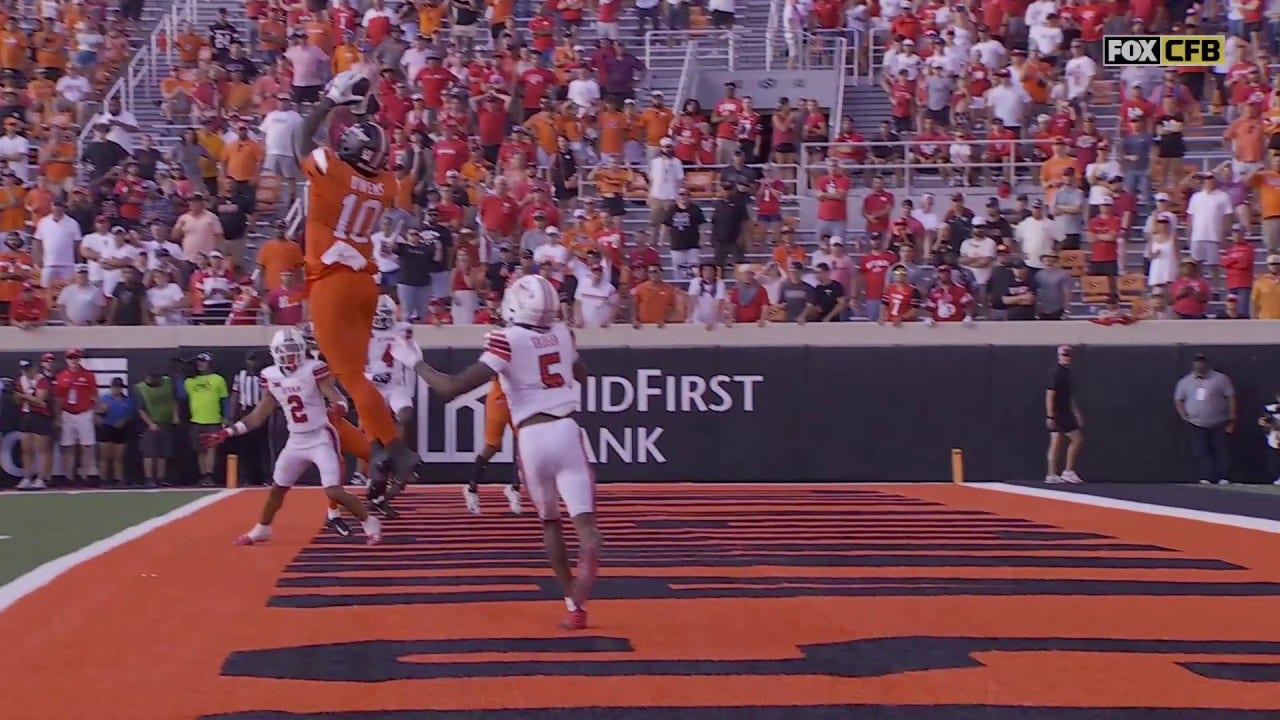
497, 416
342, 305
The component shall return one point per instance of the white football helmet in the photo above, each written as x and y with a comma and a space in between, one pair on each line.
288, 349
384, 315
532, 301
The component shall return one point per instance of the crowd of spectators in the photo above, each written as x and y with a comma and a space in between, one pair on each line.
521, 147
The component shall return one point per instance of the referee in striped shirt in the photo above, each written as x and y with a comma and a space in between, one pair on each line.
255, 448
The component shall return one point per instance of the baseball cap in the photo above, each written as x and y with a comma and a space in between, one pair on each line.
1273, 259
837, 240
74, 353
24, 364
552, 230
1018, 263
47, 357
666, 142
216, 254
82, 268
1162, 197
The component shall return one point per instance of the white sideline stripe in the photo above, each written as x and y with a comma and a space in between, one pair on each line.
1216, 518
102, 491
35, 579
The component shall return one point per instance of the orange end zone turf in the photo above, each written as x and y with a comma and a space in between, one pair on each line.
903, 602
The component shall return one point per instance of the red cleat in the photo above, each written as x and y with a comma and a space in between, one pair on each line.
575, 620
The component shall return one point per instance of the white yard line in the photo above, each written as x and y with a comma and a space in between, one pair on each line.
35, 579
1216, 518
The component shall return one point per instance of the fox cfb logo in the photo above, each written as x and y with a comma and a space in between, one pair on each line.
1163, 50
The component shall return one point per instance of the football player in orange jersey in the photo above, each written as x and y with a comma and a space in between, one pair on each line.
497, 418
349, 190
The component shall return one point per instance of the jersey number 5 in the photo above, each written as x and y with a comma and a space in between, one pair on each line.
297, 410
551, 377
357, 220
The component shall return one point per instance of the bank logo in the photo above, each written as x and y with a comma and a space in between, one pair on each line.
459, 437
1163, 50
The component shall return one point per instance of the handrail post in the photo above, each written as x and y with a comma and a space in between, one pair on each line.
733, 55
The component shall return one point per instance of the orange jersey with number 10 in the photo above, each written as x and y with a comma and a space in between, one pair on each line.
344, 208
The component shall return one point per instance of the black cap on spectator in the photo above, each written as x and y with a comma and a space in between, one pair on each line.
797, 265
526, 253
1018, 263
993, 203
117, 382
822, 267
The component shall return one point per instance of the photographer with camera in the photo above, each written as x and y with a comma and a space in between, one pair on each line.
204, 392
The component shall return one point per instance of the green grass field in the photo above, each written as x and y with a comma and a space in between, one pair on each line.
38, 527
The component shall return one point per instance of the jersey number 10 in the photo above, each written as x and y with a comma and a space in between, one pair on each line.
357, 220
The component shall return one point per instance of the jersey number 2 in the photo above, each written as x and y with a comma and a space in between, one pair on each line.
357, 220
297, 410
551, 378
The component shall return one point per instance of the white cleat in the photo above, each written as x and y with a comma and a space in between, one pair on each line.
1070, 476
1053, 480
372, 530
38, 484
1224, 481
25, 484
513, 499
473, 500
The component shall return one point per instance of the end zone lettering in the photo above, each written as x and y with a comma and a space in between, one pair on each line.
1163, 50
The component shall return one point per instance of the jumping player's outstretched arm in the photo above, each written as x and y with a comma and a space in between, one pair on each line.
305, 142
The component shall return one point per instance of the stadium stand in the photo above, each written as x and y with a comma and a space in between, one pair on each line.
974, 136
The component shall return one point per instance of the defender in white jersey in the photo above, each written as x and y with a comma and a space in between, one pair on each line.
536, 362
305, 390
395, 380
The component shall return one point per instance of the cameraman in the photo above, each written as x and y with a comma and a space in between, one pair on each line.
253, 447
204, 392
35, 424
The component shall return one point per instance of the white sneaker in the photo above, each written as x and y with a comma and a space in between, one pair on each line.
1070, 476
1053, 480
473, 500
38, 484
1276, 481
26, 484
1205, 482
513, 499
1224, 481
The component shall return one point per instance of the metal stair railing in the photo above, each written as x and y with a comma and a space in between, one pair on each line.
143, 67
719, 45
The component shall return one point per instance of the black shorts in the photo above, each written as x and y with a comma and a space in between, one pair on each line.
785, 149
156, 444
309, 94
1110, 268
35, 424
111, 434
941, 117
615, 206
1065, 424
4, 311
903, 124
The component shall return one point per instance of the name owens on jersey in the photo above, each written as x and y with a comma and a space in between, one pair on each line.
298, 394
535, 370
381, 363
344, 209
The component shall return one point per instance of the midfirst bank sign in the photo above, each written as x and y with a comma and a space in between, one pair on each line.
624, 417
